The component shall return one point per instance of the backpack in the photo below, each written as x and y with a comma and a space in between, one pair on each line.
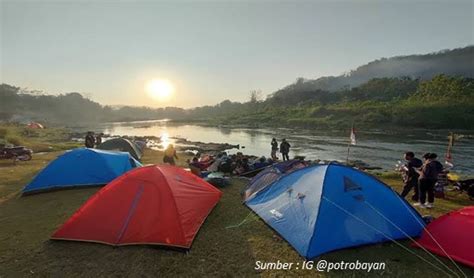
468, 186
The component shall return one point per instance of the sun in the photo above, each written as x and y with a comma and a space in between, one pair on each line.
160, 89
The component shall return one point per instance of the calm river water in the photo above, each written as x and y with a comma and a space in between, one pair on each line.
381, 148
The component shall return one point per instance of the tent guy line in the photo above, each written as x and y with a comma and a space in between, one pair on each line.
391, 239
444, 251
414, 241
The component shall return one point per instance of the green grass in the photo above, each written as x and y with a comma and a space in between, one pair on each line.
26, 224
39, 140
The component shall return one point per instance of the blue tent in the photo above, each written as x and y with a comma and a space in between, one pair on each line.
270, 175
322, 208
82, 167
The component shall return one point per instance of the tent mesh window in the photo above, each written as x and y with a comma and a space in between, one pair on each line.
269, 176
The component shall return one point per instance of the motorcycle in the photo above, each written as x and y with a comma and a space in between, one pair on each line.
16, 153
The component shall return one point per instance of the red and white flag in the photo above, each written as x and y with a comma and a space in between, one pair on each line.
353, 136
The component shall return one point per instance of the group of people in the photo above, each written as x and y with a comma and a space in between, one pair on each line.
92, 140
236, 164
421, 176
284, 149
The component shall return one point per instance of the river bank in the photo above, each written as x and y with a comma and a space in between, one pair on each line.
375, 149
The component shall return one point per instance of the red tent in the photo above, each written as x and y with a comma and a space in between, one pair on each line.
157, 204
453, 232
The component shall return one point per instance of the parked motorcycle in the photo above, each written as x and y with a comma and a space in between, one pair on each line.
16, 153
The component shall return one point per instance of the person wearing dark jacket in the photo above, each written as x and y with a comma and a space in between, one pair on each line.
98, 139
274, 149
428, 177
410, 178
90, 139
285, 149
439, 167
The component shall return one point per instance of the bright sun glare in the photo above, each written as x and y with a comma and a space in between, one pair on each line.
159, 89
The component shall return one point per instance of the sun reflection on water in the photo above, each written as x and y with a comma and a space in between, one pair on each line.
165, 140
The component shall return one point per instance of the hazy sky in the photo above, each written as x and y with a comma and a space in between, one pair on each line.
212, 51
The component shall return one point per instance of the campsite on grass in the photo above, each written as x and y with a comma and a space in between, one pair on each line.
236, 138
289, 212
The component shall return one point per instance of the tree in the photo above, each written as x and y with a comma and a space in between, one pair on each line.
255, 96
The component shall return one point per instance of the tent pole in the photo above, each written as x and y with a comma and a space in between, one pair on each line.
348, 152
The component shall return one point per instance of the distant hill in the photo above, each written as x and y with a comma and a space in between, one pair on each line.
456, 62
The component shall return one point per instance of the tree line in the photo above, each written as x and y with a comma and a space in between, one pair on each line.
441, 102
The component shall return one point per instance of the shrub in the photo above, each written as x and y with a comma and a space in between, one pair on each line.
3, 132
12, 139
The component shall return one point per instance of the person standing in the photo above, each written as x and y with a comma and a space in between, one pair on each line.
274, 149
411, 176
170, 155
285, 149
441, 176
98, 139
428, 177
89, 140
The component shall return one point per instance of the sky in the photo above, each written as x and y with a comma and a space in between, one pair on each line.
211, 51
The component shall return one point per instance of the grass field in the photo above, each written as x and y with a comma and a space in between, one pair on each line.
39, 140
26, 224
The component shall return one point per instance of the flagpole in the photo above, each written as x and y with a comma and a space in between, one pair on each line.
448, 149
448, 156
350, 143
348, 151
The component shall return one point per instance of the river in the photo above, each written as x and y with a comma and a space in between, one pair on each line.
382, 148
